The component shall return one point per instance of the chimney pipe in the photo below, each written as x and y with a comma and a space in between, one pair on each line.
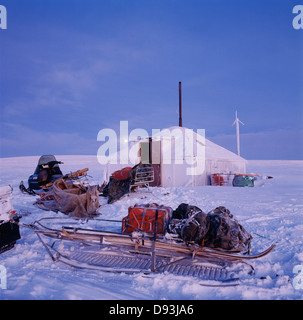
180, 106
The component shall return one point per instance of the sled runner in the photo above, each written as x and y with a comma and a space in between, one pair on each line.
141, 242
116, 260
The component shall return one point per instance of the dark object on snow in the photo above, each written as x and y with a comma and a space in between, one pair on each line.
218, 228
9, 234
116, 189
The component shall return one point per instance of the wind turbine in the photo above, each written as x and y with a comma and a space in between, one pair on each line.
236, 122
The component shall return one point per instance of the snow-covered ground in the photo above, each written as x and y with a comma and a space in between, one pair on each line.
272, 213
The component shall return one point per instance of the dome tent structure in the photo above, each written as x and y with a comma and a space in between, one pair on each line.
180, 157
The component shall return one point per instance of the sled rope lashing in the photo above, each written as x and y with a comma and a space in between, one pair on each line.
141, 225
144, 223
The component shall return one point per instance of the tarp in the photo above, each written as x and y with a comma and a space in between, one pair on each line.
75, 200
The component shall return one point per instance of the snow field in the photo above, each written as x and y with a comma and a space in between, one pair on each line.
272, 213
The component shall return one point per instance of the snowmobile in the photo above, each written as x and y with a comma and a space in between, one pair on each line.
47, 172
9, 228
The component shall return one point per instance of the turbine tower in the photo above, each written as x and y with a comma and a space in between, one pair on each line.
236, 122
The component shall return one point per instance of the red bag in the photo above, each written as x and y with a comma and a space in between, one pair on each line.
122, 174
142, 217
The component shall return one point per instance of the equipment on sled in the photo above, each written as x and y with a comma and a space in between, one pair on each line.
9, 229
143, 217
216, 229
138, 252
46, 173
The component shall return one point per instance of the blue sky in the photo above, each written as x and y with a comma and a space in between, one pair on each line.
69, 68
